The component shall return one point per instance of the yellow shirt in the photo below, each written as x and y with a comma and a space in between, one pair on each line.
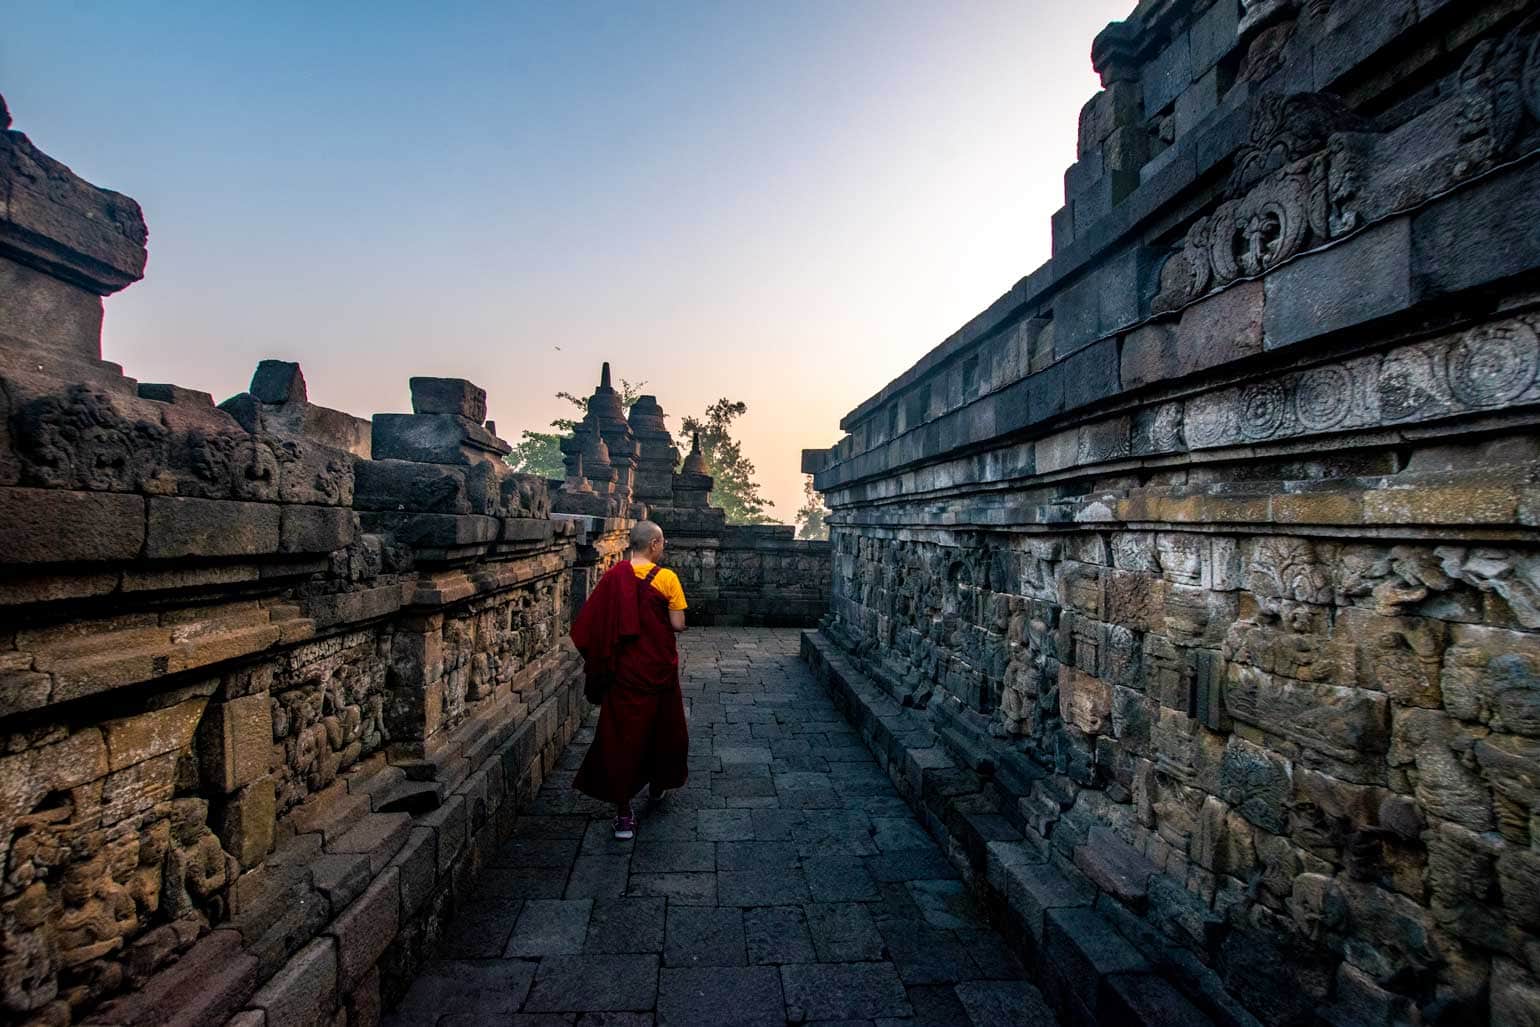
666, 582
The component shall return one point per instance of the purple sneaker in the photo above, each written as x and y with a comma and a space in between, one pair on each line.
625, 827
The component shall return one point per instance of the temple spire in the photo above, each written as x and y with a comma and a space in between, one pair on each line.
604, 376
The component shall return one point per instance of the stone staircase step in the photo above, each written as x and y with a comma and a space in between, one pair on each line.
1115, 867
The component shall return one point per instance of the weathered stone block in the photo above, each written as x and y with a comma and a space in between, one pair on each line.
1137, 998
1115, 867
1476, 235
245, 822
1030, 401
315, 529
1082, 949
434, 439
1063, 227
208, 527
1401, 656
449, 396
1113, 108
207, 985
1197, 102
235, 741
304, 992
1446, 786
366, 928
313, 472
1515, 994
56, 525
417, 863
1221, 328
1365, 278
58, 321
432, 530
1213, 35
1091, 374
144, 736
85, 234
1148, 355
1167, 74
1257, 783
278, 381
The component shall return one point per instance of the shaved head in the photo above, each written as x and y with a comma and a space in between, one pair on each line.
644, 534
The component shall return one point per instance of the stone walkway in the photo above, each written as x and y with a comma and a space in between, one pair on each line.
787, 883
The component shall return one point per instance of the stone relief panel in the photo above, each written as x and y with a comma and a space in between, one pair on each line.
110, 866
1329, 741
97, 439
327, 706
1493, 365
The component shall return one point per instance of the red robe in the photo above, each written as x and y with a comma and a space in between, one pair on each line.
623, 631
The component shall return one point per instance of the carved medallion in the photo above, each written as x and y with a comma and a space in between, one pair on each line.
1493, 363
1322, 397
1263, 408
1210, 421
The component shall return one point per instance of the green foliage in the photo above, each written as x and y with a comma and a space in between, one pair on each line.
811, 522
539, 452
735, 489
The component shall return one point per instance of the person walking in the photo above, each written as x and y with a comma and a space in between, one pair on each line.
626, 632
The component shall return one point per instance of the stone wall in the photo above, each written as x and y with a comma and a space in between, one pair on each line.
272, 678
752, 574
1195, 583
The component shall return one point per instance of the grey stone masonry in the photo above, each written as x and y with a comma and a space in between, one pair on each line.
765, 891
1204, 565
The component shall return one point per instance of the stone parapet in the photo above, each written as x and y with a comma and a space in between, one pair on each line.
266, 704
1207, 556
751, 574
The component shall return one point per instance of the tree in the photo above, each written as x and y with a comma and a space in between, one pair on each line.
539, 452
735, 489
810, 519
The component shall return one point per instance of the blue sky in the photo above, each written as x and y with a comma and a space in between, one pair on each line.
784, 203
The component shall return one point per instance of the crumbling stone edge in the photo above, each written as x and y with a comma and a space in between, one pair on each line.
1095, 959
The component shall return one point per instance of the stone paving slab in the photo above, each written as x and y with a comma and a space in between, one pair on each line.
786, 883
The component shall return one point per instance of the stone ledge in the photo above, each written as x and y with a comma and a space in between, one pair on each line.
1090, 970
1306, 298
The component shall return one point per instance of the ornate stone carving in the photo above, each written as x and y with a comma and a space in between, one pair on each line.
1279, 200
1492, 85
1285, 569
1493, 364
1284, 131
1486, 366
81, 440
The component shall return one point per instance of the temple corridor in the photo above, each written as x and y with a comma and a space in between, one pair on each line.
787, 883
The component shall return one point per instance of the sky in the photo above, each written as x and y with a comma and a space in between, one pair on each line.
785, 203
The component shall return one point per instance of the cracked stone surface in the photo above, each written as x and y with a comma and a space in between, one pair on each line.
786, 883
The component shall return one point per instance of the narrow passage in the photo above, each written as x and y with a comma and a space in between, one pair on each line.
788, 883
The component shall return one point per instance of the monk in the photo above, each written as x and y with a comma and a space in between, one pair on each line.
626, 632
